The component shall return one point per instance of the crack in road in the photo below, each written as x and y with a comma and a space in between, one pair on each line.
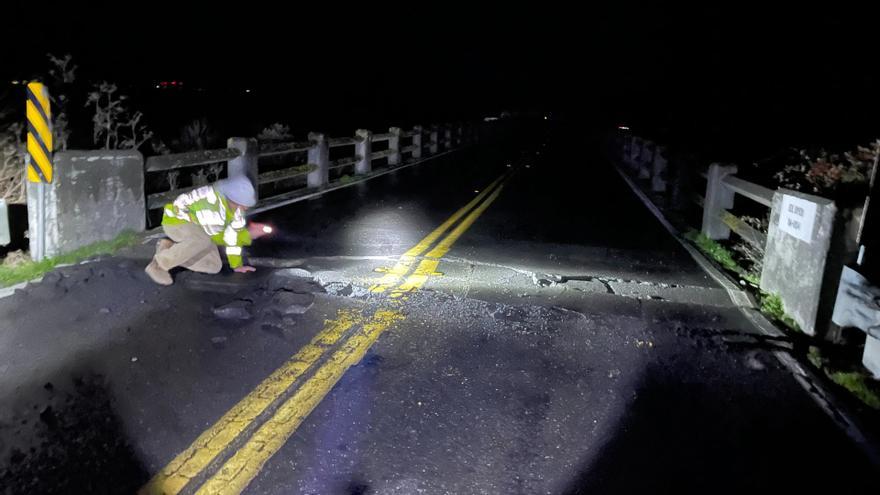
543, 279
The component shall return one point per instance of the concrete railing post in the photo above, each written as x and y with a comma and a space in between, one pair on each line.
319, 156
432, 148
658, 174
364, 150
871, 355
718, 197
394, 146
802, 263
648, 151
5, 237
247, 163
635, 153
417, 142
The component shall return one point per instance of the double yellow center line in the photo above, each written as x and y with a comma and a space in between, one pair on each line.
259, 425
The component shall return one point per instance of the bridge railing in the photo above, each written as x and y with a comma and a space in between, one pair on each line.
288, 171
722, 186
648, 161
801, 254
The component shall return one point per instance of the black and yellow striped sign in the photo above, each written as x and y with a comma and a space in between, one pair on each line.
39, 136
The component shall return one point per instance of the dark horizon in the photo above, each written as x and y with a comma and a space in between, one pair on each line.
705, 77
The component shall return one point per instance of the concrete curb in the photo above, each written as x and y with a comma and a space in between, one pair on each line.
808, 380
10, 290
737, 295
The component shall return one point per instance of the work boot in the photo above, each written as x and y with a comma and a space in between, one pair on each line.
163, 244
160, 276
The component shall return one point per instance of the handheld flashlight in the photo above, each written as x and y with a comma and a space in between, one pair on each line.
267, 229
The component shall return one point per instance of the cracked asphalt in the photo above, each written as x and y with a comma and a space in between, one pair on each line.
565, 344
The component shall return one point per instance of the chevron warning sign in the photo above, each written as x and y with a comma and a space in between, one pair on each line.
39, 135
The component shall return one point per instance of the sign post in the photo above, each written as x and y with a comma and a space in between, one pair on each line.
38, 163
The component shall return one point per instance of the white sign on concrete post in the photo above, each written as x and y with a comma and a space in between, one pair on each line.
797, 218
798, 241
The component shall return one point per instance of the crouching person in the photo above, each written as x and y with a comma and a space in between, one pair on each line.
198, 222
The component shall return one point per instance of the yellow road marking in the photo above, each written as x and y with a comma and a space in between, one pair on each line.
428, 266
402, 267
215, 439
249, 459
243, 467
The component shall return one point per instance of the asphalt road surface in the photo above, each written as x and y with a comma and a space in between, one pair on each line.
508, 319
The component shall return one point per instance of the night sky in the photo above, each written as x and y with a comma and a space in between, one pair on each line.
713, 76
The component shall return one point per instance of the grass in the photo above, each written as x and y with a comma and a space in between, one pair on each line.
714, 250
752, 278
13, 273
771, 304
857, 383
345, 179
815, 357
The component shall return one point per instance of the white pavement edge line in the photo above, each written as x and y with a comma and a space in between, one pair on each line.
10, 290
272, 206
804, 376
737, 295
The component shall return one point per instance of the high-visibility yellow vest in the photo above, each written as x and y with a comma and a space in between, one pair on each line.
208, 208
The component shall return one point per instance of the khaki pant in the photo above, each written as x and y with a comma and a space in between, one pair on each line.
192, 249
